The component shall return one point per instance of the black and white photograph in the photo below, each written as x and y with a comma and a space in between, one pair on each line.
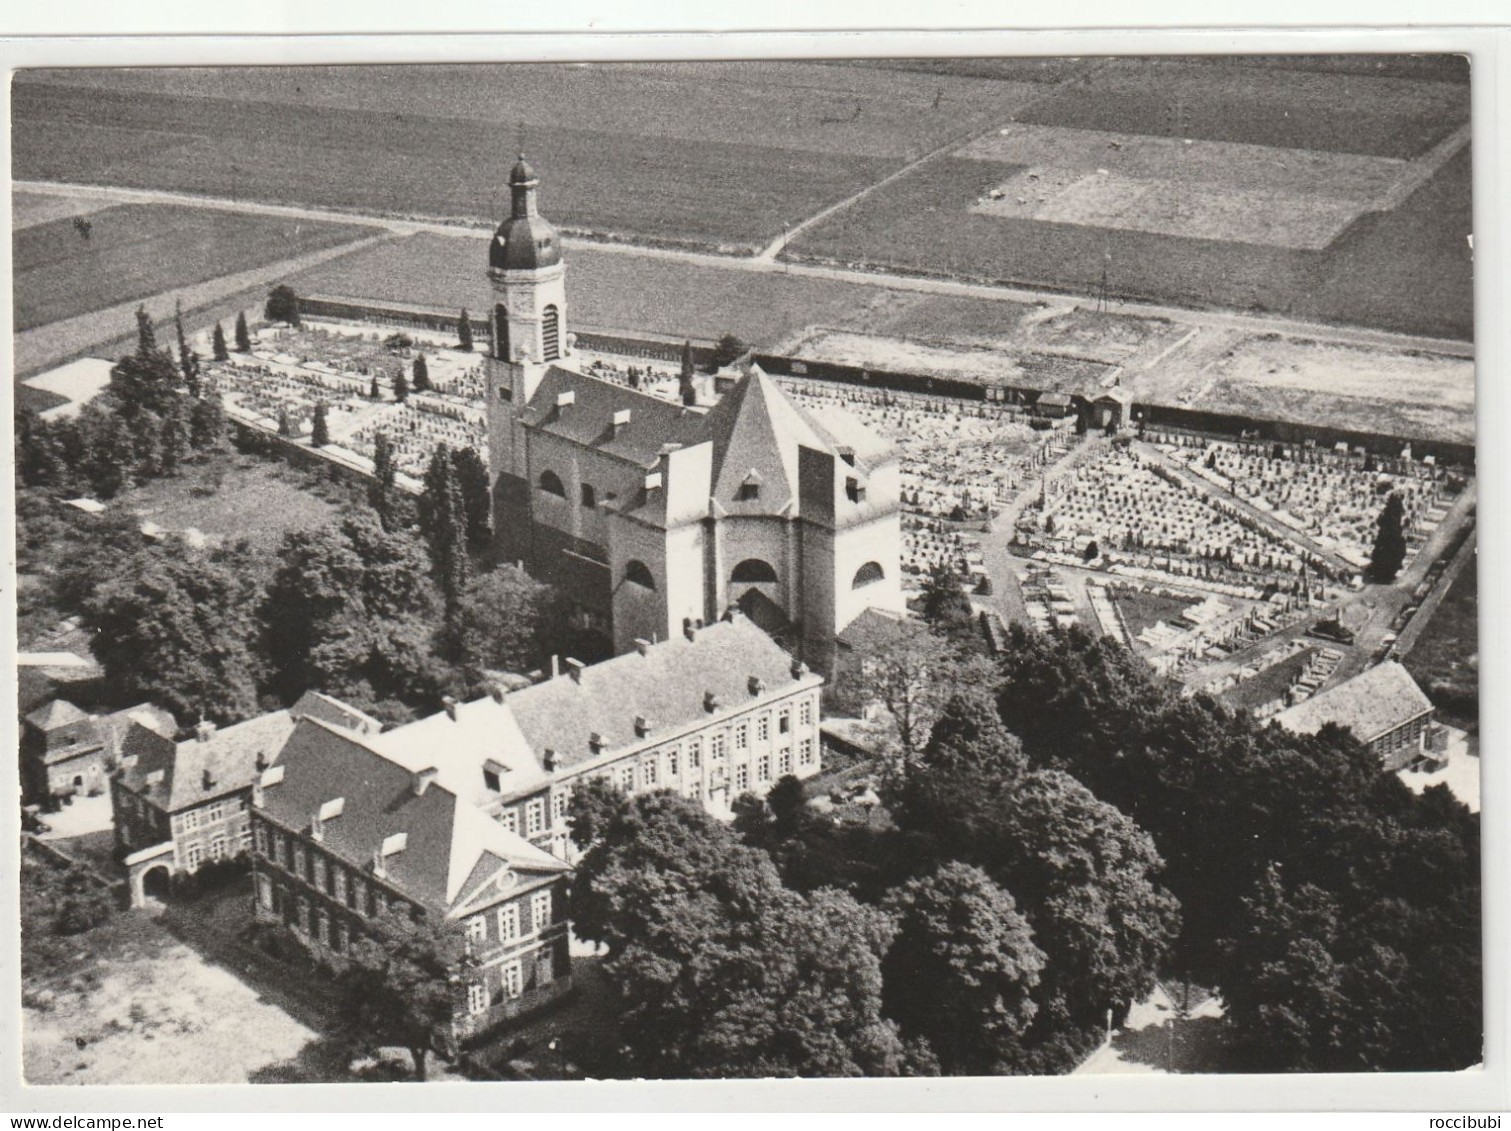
730, 569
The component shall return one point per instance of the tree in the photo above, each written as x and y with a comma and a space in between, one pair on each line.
282, 305
961, 970
1389, 552
946, 608
320, 433
911, 673
178, 627
719, 970
1092, 551
594, 805
351, 611
174, 447
373, 392
687, 390
728, 350
506, 612
207, 422
400, 386
218, 344
464, 332
243, 336
477, 499
396, 985
147, 381
445, 528
382, 491
188, 360
421, 374
285, 423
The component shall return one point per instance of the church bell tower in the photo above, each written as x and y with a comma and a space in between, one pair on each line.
528, 323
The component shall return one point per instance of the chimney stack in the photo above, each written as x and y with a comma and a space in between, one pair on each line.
548, 760
710, 702
642, 646
207, 780
621, 420
757, 685
574, 669
642, 726
449, 703
799, 669
595, 742
555, 665
653, 482
420, 780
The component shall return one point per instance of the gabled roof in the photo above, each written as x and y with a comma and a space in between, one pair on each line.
873, 628
229, 757
483, 734
666, 685
315, 704
589, 420
449, 846
1370, 704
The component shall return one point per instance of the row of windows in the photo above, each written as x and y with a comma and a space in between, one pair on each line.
208, 814
511, 981
535, 814
315, 923
325, 874
222, 847
644, 772
509, 924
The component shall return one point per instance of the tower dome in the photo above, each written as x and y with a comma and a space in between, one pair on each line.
526, 241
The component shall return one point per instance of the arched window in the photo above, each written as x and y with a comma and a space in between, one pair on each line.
550, 334
550, 482
868, 574
753, 570
636, 571
500, 333
589, 496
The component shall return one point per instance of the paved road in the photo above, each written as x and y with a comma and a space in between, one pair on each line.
1205, 319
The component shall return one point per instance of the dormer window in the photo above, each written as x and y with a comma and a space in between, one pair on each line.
490, 779
855, 490
750, 490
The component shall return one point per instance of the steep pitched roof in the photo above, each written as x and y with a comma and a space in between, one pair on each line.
58, 713
225, 759
756, 431
449, 846
589, 420
1370, 704
315, 704
483, 734
666, 685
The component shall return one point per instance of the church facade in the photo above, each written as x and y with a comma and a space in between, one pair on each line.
651, 516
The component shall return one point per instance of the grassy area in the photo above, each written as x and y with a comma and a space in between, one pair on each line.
1445, 658
634, 150
128, 1003
139, 250
237, 496
1142, 609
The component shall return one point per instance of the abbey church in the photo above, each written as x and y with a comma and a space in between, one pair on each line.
653, 517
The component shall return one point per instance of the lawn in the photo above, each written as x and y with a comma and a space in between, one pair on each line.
1142, 609
136, 251
128, 1003
714, 156
1408, 269
1445, 658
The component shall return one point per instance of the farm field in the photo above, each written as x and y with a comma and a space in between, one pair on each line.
135, 251
634, 150
613, 290
1408, 269
31, 208
1387, 116
1047, 372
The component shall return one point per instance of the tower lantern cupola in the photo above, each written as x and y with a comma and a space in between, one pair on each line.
526, 241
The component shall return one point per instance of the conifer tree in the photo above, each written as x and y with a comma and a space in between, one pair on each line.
218, 344
1390, 542
188, 360
380, 494
400, 387
243, 336
320, 435
285, 424
373, 392
686, 388
464, 332
421, 374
